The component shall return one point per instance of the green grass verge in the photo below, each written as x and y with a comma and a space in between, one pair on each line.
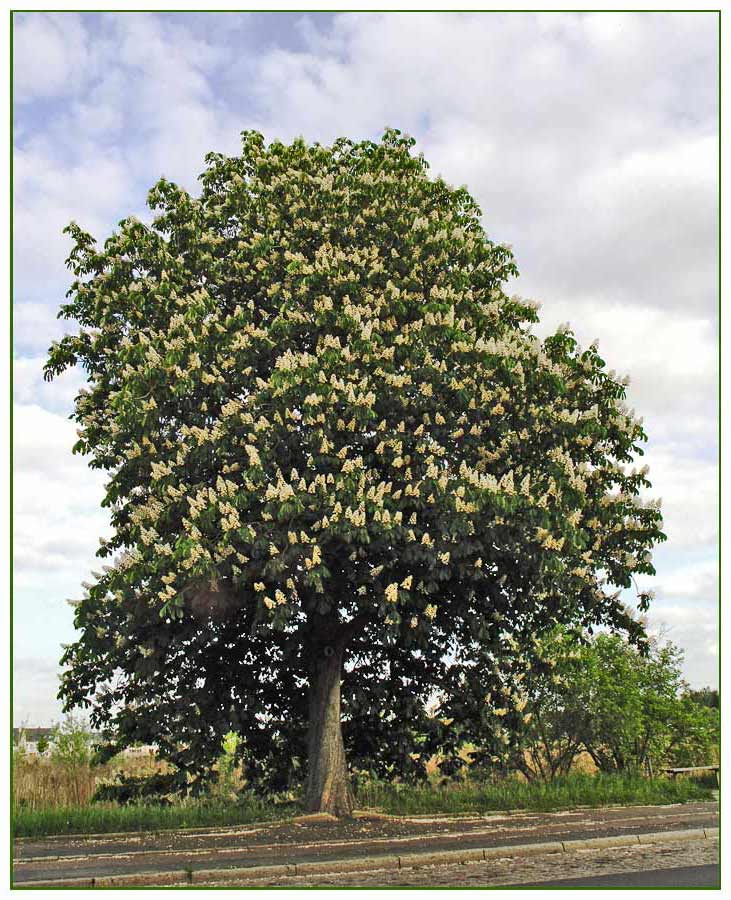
102, 818
563, 793
395, 799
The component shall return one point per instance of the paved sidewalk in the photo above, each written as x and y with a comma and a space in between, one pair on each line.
176, 857
530, 870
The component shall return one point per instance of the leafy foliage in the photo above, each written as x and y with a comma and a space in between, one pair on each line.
134, 788
319, 409
629, 711
72, 749
72, 744
705, 696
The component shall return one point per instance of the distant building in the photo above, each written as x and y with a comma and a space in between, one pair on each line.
141, 750
30, 735
26, 739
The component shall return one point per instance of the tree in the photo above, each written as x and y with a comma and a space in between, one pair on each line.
71, 748
695, 734
72, 743
335, 447
550, 737
628, 710
705, 696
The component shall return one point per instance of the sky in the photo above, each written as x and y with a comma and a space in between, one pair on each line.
589, 140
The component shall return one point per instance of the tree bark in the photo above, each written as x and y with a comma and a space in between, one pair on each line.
327, 787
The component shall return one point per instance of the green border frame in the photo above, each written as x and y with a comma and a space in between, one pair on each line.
12, 12
11, 440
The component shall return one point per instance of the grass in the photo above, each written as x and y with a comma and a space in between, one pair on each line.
395, 799
510, 794
53, 798
40, 783
103, 818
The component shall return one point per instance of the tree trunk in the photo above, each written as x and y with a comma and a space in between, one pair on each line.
327, 787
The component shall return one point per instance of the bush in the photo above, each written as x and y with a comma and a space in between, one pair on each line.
132, 789
631, 712
72, 743
72, 746
226, 785
562, 792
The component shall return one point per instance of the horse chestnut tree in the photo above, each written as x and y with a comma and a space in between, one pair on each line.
345, 476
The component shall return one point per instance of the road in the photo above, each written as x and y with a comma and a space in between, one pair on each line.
173, 857
675, 864
676, 877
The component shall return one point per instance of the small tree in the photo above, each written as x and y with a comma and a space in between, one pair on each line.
695, 734
610, 684
72, 748
628, 710
336, 451
19, 747
550, 736
225, 781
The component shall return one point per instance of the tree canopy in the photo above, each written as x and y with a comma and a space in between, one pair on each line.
627, 710
333, 438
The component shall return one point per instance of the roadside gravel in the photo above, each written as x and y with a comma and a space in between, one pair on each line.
522, 870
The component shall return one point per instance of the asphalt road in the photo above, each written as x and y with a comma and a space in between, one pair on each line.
590, 868
681, 877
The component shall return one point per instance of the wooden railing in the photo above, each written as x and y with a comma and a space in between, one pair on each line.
679, 770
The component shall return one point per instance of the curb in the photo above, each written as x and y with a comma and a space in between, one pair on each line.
371, 863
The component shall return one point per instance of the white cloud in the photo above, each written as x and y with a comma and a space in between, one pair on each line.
48, 192
52, 56
685, 612
147, 108
29, 387
670, 356
35, 685
35, 325
169, 71
689, 490
698, 580
579, 146
57, 518
697, 637
640, 230
685, 608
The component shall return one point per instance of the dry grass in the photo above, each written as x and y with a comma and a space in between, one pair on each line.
52, 797
583, 764
42, 783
